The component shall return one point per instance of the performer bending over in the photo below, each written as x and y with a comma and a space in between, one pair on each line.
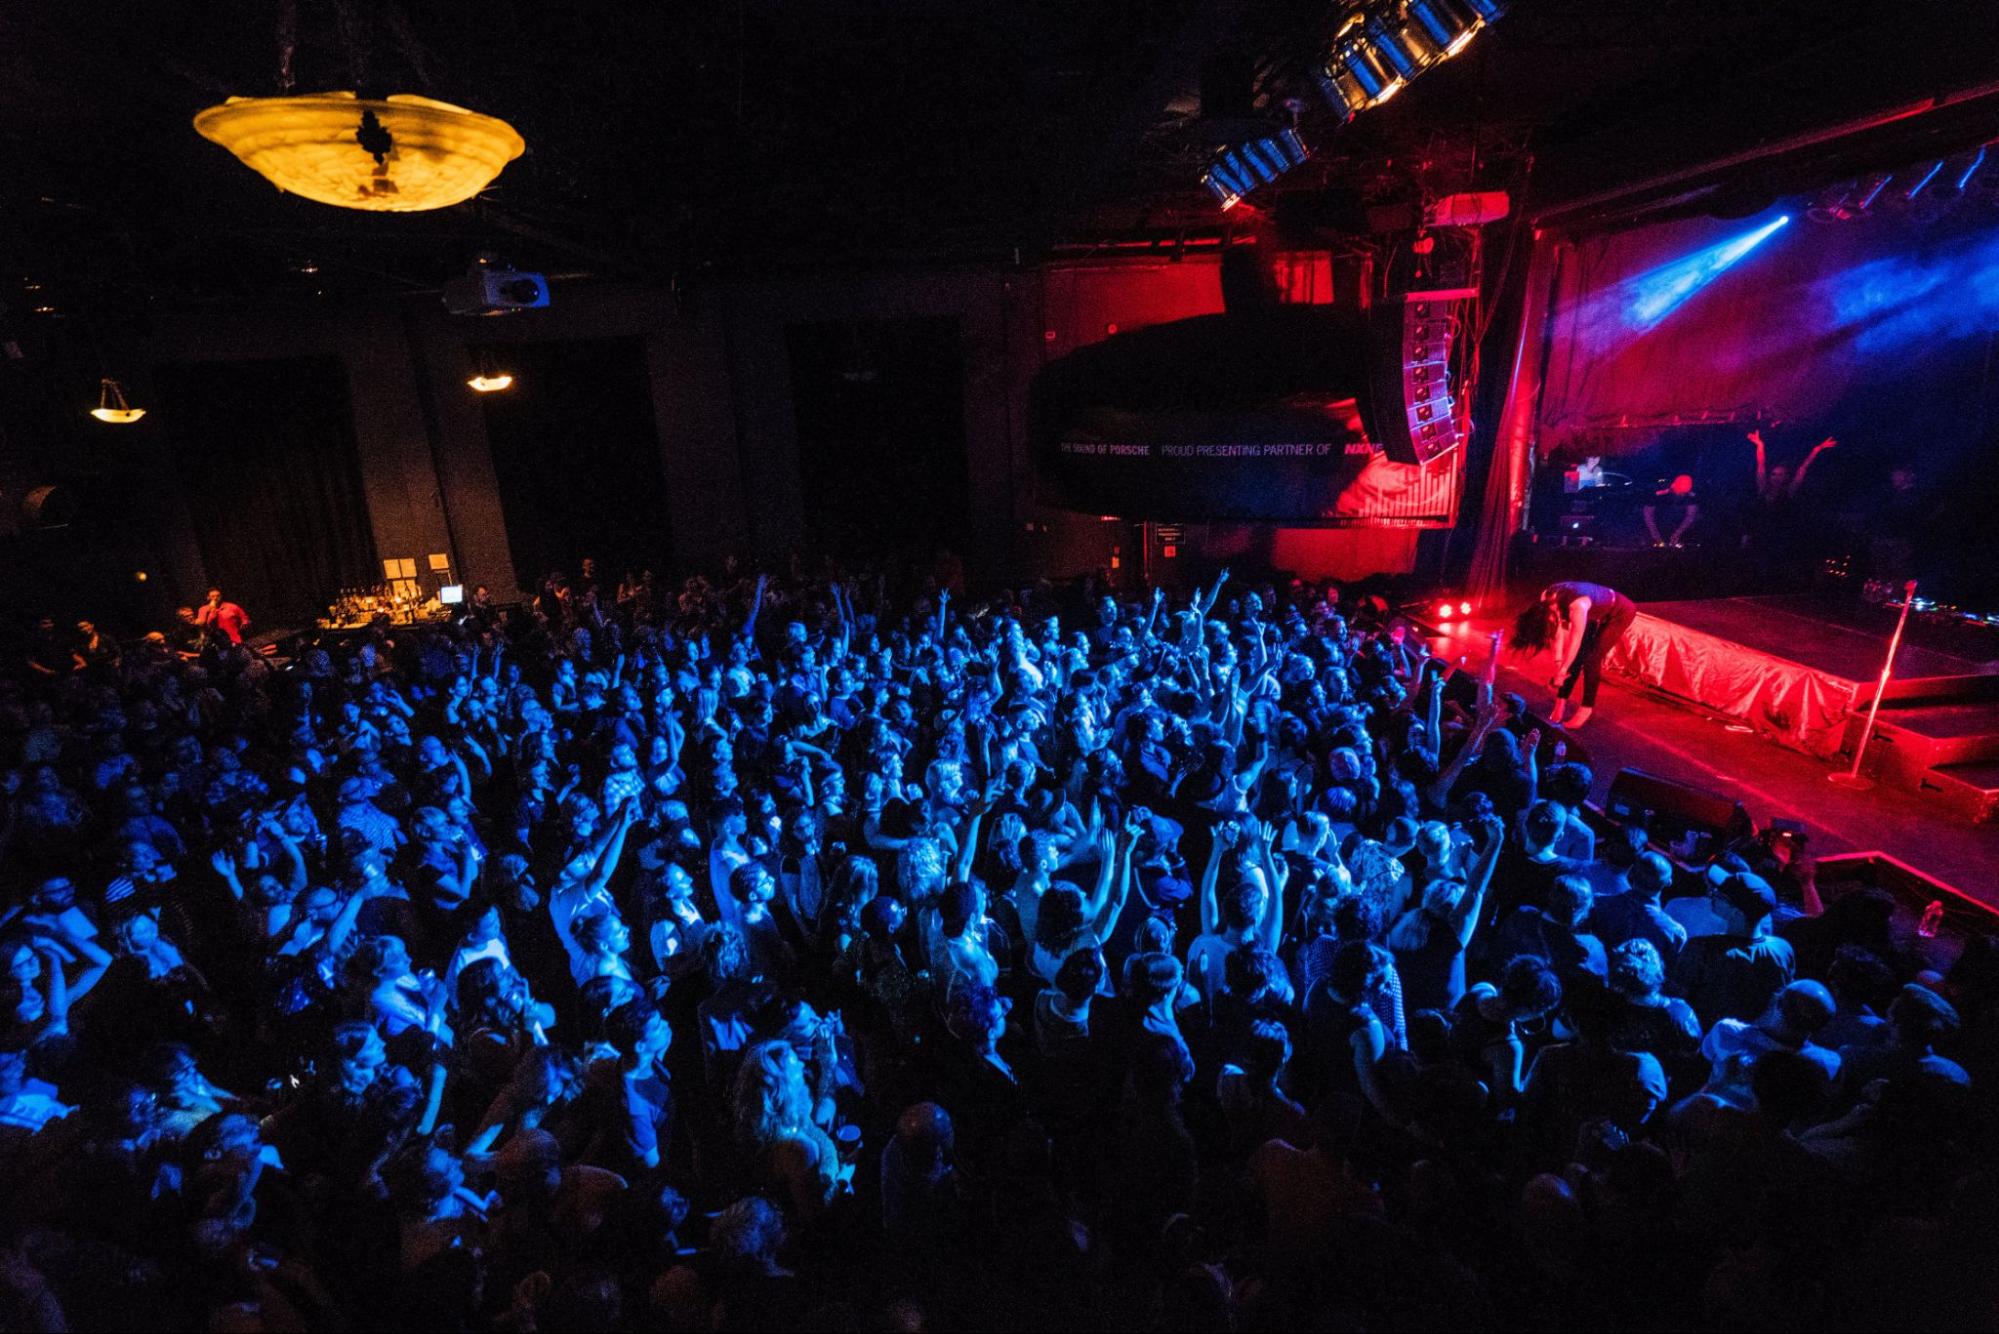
1579, 623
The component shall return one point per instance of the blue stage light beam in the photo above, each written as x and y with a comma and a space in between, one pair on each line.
1917, 300
1971, 170
1923, 180
1655, 295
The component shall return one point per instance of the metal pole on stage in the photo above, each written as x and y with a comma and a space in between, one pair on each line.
1851, 778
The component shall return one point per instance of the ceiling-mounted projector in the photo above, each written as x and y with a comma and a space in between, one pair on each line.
489, 291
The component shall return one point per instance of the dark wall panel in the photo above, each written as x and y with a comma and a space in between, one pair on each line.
881, 435
264, 455
577, 455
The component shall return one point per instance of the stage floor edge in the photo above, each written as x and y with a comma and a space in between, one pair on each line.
1641, 728
1820, 636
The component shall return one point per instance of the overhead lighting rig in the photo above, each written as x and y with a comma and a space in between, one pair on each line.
1239, 168
1381, 47
1926, 189
1377, 49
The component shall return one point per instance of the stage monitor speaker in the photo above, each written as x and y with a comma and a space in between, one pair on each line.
1415, 412
1683, 820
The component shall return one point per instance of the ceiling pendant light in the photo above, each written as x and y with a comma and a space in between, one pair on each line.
398, 154
111, 405
486, 378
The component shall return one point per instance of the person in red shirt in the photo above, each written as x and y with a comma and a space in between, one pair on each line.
225, 618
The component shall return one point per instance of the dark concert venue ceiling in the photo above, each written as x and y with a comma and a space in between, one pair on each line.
678, 141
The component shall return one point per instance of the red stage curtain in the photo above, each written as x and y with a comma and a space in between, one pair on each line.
1506, 480
1757, 340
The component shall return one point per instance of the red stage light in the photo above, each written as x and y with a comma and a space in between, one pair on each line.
1464, 609
1443, 611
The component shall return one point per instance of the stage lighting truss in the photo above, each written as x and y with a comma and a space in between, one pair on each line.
1378, 49
1382, 47
1927, 188
1448, 25
1239, 168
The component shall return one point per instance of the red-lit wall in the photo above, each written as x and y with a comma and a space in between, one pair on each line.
1087, 301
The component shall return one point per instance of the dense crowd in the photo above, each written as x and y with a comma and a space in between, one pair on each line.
801, 953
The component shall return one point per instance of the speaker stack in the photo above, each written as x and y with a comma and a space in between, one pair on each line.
1702, 821
1417, 416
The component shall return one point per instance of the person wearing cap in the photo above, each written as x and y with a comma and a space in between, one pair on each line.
1159, 875
1789, 1023
1735, 974
1918, 1019
1695, 912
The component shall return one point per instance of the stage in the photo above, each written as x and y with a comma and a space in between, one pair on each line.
1639, 726
1794, 668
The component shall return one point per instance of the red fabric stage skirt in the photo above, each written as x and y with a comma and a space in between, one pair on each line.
1797, 706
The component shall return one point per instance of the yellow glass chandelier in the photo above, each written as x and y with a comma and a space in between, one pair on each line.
399, 154
111, 405
488, 375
